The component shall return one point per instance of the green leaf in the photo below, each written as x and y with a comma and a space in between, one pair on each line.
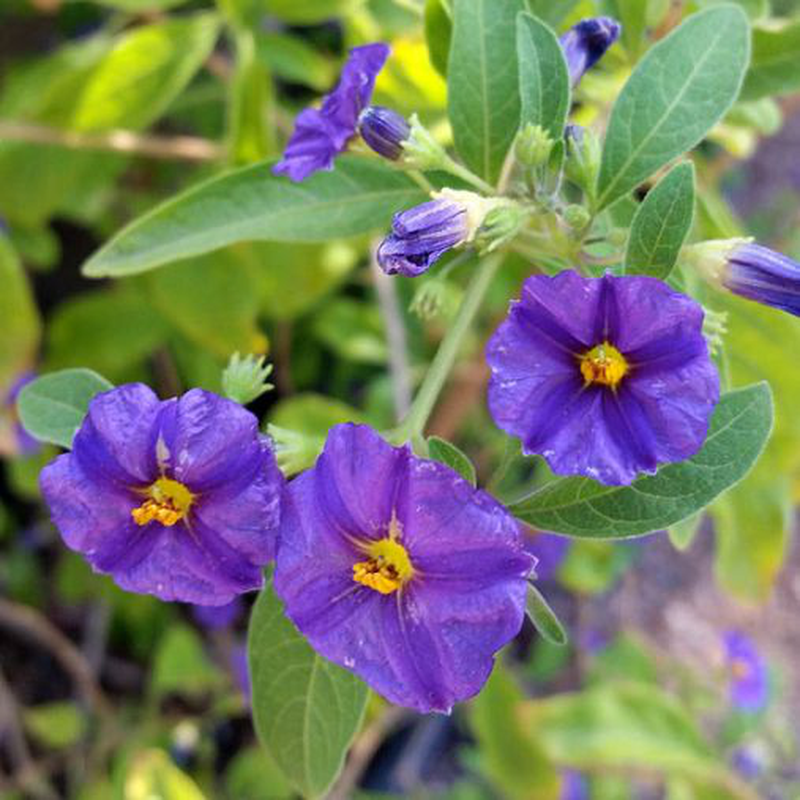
21, 324
682, 533
305, 709
448, 454
482, 82
773, 69
661, 224
137, 6
511, 758
543, 77
678, 91
582, 507
55, 725
52, 408
544, 619
252, 204
144, 72
352, 329
632, 14
294, 60
627, 726
180, 665
438, 33
151, 774
308, 12
552, 13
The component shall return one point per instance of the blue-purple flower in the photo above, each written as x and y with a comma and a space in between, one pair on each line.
215, 618
14, 439
751, 271
585, 44
180, 498
749, 675
549, 550
574, 786
321, 134
398, 569
604, 377
384, 130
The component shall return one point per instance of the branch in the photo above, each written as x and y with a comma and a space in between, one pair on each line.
181, 148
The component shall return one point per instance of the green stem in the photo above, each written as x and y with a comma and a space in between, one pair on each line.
454, 168
426, 397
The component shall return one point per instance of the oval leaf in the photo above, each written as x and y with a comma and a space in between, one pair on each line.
661, 224
252, 204
306, 710
543, 77
482, 82
677, 93
544, 618
448, 454
438, 32
52, 408
582, 507
774, 66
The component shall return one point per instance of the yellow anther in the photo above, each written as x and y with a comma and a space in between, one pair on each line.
604, 364
388, 566
167, 502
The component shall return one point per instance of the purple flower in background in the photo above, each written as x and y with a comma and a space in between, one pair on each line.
321, 134
585, 44
747, 763
421, 235
749, 683
21, 442
574, 786
180, 498
604, 377
549, 550
398, 569
384, 131
218, 617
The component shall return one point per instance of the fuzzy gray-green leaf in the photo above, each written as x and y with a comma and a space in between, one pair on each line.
676, 94
661, 224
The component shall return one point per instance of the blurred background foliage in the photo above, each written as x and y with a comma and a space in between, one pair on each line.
108, 108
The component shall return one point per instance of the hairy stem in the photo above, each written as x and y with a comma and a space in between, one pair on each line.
428, 393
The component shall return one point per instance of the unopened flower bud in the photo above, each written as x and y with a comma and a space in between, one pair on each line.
424, 233
533, 146
294, 451
244, 379
429, 299
745, 268
585, 44
384, 130
577, 217
583, 157
500, 225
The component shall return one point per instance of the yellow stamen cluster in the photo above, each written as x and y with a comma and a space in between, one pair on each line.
604, 364
167, 502
388, 566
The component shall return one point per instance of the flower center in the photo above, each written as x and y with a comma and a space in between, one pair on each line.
604, 364
740, 669
388, 567
168, 502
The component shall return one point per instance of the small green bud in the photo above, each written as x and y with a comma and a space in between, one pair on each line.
429, 299
421, 150
533, 145
583, 158
244, 379
500, 225
715, 326
617, 237
577, 217
294, 451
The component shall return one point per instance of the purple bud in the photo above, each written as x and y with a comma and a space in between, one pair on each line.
585, 44
384, 131
423, 234
761, 274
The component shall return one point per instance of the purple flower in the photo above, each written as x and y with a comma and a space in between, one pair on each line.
549, 550
384, 131
398, 569
761, 274
20, 441
218, 617
604, 377
573, 786
747, 763
749, 683
585, 44
421, 235
321, 134
180, 498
